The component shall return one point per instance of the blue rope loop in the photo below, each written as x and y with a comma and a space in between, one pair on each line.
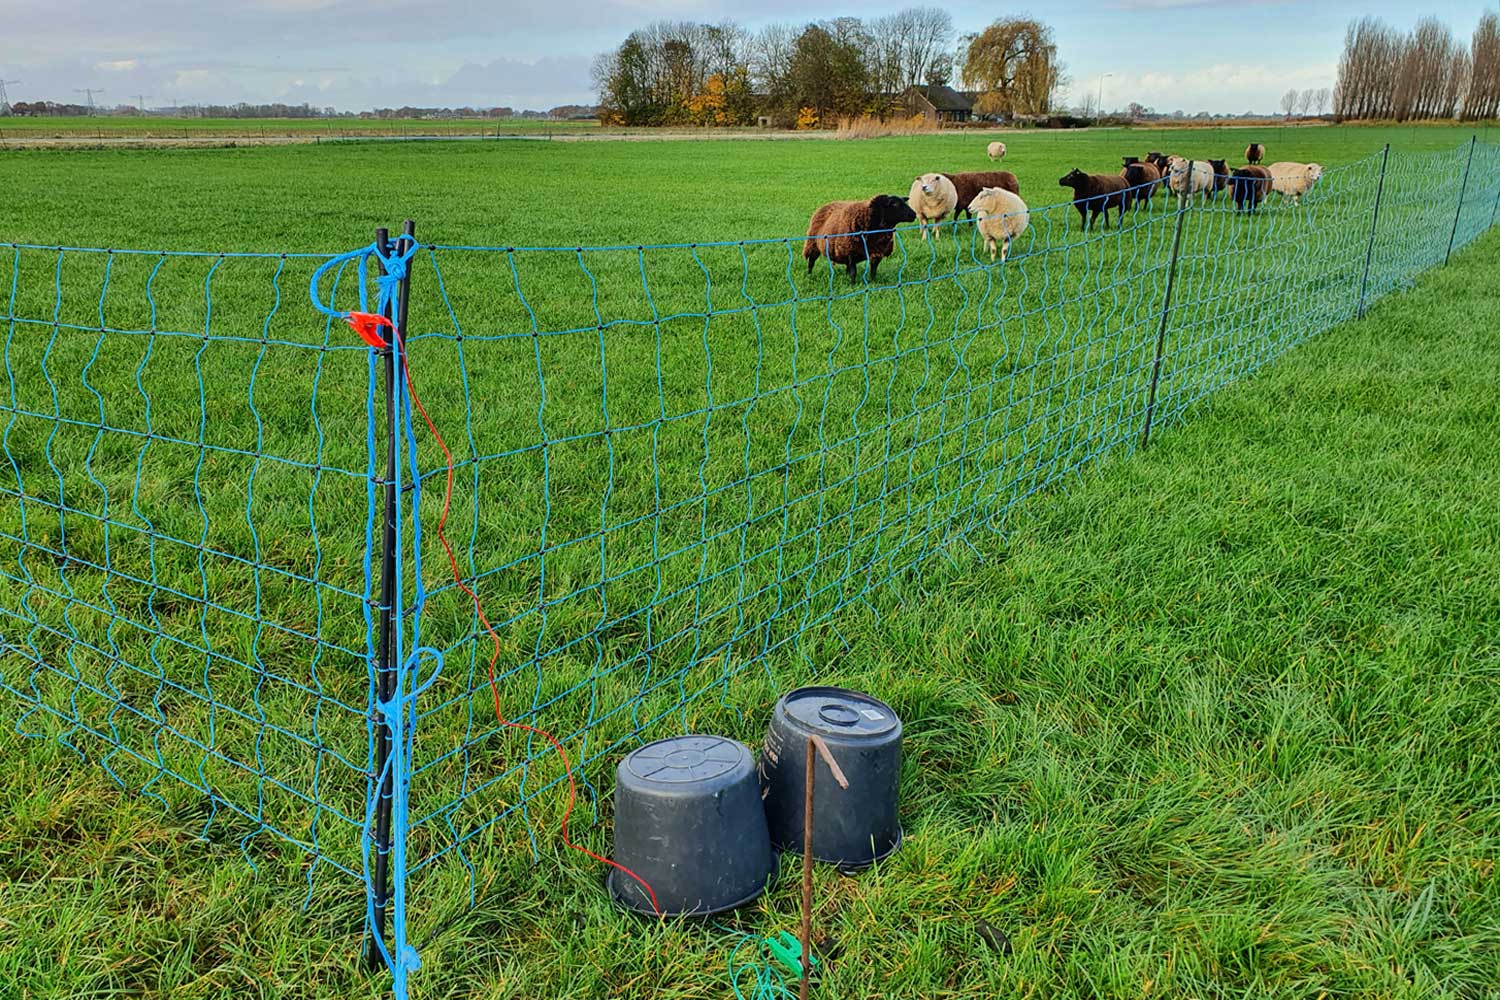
394, 267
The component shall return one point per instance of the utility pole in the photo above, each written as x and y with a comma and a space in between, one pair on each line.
140, 106
4, 97
90, 92
1099, 108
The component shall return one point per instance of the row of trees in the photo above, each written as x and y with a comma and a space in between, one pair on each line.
682, 73
1304, 102
63, 110
1422, 75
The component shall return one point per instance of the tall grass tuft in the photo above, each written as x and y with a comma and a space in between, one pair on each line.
870, 127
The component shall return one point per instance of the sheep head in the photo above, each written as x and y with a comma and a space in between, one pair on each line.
887, 211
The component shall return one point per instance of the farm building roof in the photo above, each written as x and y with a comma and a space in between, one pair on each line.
945, 98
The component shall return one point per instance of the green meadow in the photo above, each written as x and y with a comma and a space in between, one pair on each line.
1203, 717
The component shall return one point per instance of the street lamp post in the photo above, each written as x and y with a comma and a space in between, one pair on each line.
1099, 108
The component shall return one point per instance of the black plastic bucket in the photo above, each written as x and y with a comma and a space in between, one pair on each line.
852, 827
688, 820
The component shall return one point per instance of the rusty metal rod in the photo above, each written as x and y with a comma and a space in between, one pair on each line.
807, 865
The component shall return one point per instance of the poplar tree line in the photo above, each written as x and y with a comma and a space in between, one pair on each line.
1426, 74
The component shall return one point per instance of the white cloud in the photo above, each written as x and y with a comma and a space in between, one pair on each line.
1223, 87
116, 65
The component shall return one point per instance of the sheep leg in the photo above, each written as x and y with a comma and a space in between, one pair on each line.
853, 269
874, 266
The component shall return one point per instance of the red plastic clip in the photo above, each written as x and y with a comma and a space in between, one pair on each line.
368, 325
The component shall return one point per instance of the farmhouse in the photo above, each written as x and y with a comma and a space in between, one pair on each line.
938, 104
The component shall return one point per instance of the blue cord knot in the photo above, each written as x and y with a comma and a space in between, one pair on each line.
394, 266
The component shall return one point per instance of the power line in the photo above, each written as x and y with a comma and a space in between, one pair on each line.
4, 97
141, 99
90, 91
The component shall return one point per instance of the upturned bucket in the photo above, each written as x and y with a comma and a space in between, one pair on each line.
852, 827
688, 820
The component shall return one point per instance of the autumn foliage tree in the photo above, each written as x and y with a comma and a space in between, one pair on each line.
828, 72
681, 73
1013, 64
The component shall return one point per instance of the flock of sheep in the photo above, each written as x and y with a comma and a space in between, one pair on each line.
848, 232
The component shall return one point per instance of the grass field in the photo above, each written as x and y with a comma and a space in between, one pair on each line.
1206, 664
112, 127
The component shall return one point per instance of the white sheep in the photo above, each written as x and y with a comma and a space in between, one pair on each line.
1002, 217
1293, 180
1189, 177
996, 150
932, 197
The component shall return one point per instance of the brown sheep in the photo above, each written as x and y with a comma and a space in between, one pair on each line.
970, 184
1094, 194
1250, 185
1255, 152
851, 231
1158, 160
1142, 179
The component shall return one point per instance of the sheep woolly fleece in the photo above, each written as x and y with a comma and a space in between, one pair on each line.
1184, 177
1002, 217
1291, 179
837, 230
932, 197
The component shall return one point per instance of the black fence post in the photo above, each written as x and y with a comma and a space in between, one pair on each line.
1364, 285
1166, 306
396, 312
1462, 190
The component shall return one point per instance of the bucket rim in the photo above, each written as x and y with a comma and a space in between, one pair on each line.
892, 731
624, 903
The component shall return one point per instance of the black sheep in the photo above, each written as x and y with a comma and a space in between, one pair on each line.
1250, 186
851, 231
1094, 194
1142, 179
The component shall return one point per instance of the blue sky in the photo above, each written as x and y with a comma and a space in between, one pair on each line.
1197, 55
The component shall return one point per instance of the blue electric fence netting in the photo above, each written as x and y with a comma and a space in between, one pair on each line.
673, 467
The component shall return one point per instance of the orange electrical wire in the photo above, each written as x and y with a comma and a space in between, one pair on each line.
494, 636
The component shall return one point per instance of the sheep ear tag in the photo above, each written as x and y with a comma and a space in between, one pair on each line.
368, 325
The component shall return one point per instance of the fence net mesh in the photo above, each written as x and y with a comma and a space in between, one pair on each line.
671, 464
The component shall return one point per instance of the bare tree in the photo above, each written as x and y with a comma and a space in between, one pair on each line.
1483, 97
771, 58
927, 35
1305, 101
887, 39
1320, 100
1373, 52
1289, 102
